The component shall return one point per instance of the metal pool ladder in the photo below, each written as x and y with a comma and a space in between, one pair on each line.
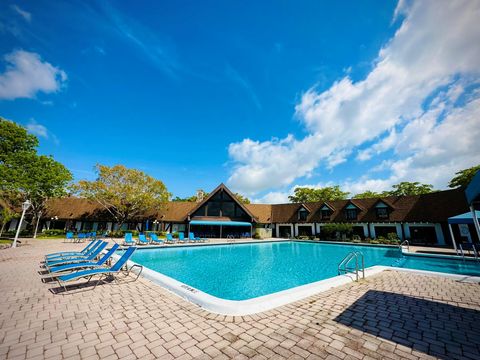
344, 268
404, 242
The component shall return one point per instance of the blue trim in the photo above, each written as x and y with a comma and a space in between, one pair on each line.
220, 223
472, 192
466, 218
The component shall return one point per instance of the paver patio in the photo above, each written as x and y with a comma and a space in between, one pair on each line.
389, 316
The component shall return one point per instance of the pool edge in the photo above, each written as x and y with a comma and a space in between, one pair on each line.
268, 302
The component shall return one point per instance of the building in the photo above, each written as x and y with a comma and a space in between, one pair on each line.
422, 219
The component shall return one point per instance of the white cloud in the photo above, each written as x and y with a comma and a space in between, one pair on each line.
436, 47
26, 74
24, 14
41, 131
37, 129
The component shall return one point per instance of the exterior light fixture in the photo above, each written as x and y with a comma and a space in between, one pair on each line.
25, 207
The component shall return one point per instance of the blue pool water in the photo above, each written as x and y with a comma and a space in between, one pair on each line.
244, 271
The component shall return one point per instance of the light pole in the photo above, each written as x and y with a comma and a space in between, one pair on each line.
25, 207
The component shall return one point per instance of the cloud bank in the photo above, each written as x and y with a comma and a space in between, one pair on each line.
420, 102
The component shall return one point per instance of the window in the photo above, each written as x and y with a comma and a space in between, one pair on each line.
302, 214
382, 212
326, 214
228, 209
351, 214
213, 208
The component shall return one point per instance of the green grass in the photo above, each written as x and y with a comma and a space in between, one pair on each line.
5, 241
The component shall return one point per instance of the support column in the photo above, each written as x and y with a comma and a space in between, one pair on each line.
221, 231
475, 220
453, 237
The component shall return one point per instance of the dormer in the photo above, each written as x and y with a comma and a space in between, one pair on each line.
351, 211
326, 211
302, 213
382, 210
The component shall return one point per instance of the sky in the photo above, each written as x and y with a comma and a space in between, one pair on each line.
263, 96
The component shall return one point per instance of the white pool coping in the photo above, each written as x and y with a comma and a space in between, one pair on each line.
271, 301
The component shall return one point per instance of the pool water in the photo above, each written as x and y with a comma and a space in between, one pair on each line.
245, 271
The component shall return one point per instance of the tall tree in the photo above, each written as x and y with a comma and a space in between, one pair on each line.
14, 139
124, 193
463, 177
307, 194
368, 194
37, 178
409, 188
26, 175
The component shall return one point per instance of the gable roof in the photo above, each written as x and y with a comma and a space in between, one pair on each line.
213, 193
433, 207
326, 204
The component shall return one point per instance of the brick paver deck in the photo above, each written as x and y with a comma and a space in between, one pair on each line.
389, 316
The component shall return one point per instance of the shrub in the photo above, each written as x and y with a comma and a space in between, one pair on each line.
53, 232
392, 236
340, 230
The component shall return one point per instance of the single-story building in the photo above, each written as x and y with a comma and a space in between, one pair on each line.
423, 219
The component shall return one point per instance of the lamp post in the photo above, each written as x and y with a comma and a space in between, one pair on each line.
25, 207
155, 225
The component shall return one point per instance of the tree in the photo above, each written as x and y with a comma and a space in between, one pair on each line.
26, 175
37, 178
409, 188
242, 199
368, 194
306, 194
15, 139
192, 198
124, 193
6, 214
463, 177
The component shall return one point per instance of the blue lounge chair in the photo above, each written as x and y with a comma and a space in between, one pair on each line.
102, 272
155, 240
82, 265
72, 253
67, 260
128, 240
181, 237
81, 237
170, 239
142, 240
193, 238
69, 236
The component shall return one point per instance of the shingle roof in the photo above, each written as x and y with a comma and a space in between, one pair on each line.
433, 207
262, 212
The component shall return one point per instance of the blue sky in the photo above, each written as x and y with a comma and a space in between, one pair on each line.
263, 96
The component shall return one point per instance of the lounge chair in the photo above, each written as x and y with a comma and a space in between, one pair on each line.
128, 240
142, 240
102, 272
181, 237
170, 239
193, 238
77, 259
72, 253
69, 236
82, 265
155, 240
81, 237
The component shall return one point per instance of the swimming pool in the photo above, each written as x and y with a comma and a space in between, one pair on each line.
246, 271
